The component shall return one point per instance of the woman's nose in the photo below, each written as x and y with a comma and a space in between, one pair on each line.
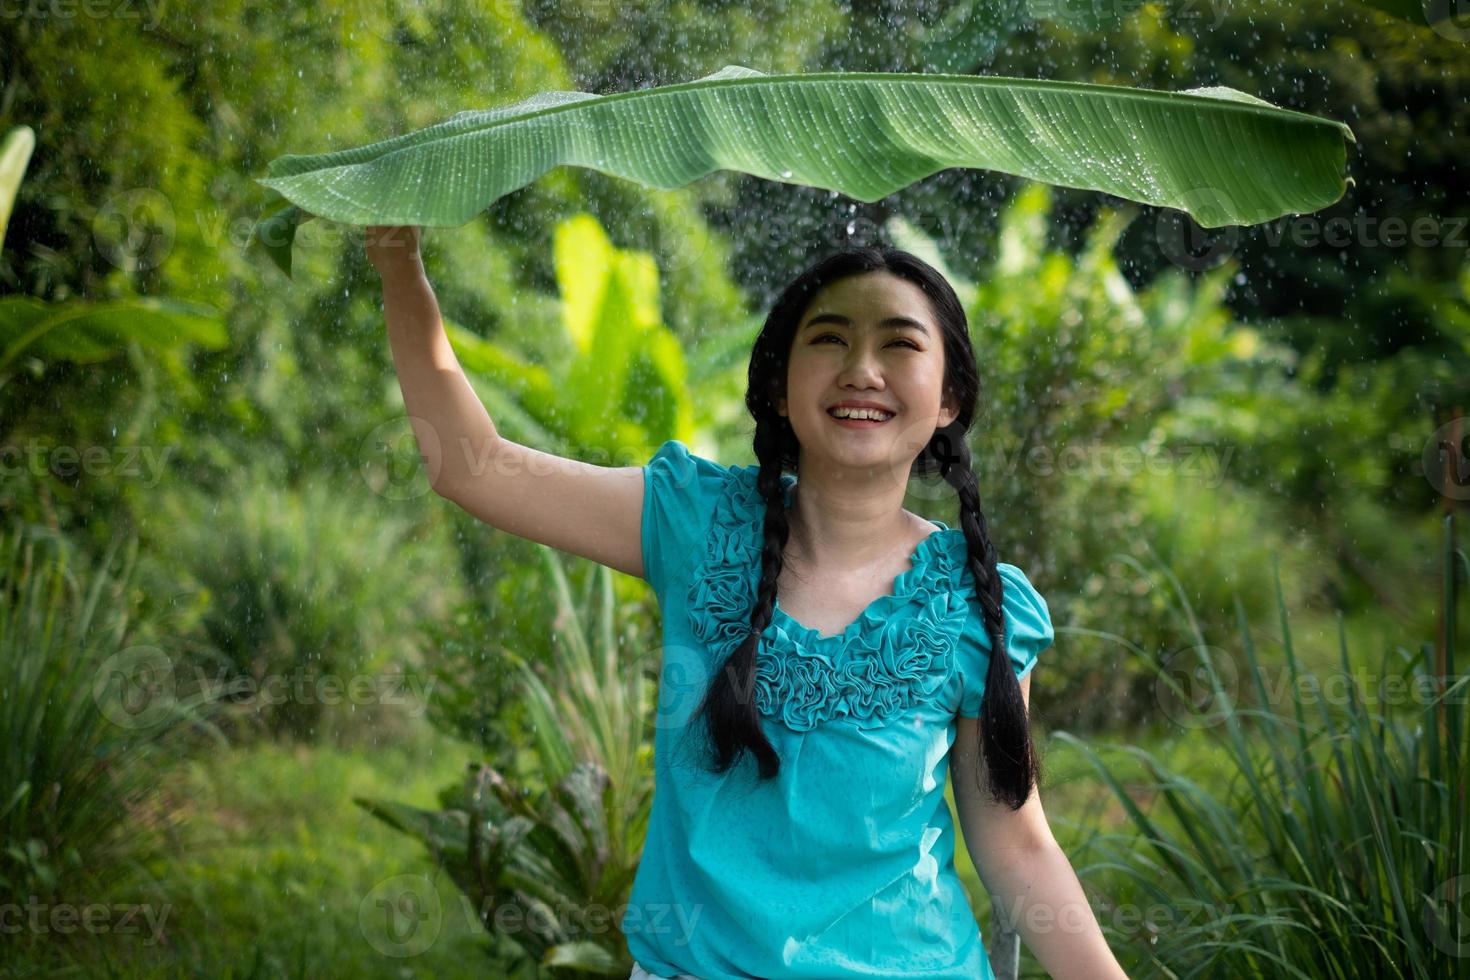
861, 365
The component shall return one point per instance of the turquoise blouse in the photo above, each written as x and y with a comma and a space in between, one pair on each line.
843, 865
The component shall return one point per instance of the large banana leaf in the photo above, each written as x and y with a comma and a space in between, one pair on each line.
1220, 155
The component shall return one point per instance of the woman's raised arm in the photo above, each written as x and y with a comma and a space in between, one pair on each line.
580, 508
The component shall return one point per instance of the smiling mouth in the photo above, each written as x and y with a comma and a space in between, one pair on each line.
862, 420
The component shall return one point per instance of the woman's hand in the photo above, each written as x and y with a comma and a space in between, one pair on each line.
393, 249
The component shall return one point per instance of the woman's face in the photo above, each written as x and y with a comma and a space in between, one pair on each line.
870, 338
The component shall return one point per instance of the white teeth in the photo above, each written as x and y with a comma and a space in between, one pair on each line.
872, 414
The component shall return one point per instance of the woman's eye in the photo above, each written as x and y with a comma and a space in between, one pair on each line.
908, 343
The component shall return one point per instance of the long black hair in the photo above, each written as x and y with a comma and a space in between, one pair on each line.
732, 720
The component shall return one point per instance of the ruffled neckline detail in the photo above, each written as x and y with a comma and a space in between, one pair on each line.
932, 567
900, 650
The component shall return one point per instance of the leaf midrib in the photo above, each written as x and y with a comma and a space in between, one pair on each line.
1082, 88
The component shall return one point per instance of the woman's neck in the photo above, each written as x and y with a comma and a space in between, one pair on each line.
846, 527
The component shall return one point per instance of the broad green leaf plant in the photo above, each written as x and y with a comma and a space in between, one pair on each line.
576, 842
87, 332
612, 381
1221, 155
83, 331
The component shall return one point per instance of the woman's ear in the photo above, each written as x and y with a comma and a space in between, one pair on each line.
947, 412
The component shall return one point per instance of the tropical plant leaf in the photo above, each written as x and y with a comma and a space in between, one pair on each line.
15, 155
442, 831
609, 375
1222, 156
85, 332
540, 853
531, 384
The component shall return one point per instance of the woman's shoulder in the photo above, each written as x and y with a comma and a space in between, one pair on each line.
951, 544
1026, 609
691, 502
677, 469
676, 455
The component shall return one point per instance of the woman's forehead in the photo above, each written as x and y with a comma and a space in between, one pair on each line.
871, 295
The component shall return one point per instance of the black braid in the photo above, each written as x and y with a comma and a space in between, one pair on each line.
1012, 766
729, 706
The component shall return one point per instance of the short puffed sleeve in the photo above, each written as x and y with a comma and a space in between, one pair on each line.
1028, 632
680, 489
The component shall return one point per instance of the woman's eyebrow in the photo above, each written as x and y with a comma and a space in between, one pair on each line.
892, 321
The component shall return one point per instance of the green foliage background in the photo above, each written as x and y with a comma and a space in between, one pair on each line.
1287, 393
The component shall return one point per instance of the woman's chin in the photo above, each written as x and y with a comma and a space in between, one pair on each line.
862, 450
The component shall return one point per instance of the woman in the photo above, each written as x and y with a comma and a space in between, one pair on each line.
824, 649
